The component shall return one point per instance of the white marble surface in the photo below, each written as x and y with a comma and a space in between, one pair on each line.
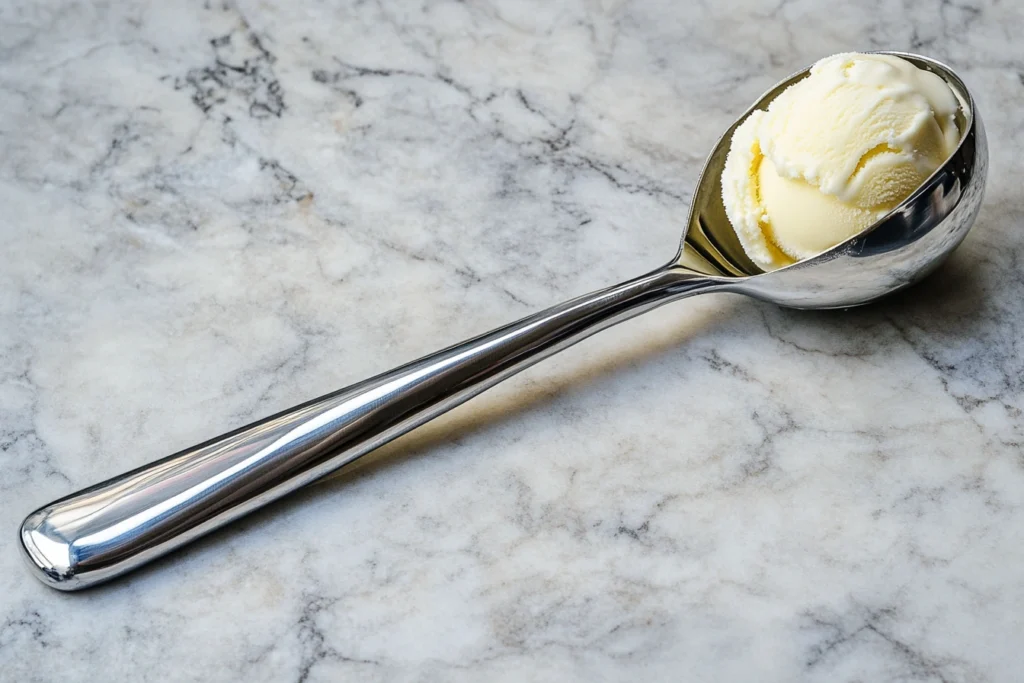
210, 213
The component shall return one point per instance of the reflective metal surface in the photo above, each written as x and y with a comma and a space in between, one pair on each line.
113, 527
900, 249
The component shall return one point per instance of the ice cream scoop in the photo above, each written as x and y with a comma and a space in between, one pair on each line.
110, 528
834, 153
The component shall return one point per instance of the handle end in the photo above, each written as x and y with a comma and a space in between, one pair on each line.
51, 558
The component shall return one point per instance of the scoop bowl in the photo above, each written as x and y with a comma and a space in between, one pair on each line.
902, 247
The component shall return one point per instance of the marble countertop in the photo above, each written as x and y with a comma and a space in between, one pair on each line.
213, 212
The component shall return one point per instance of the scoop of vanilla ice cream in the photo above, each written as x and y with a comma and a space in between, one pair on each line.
835, 152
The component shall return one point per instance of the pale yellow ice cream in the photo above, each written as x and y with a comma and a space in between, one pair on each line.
834, 153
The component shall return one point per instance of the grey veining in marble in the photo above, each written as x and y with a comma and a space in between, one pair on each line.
200, 204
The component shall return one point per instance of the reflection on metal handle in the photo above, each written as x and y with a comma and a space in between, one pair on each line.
113, 527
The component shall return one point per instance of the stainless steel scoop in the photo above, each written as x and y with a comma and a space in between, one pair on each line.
113, 527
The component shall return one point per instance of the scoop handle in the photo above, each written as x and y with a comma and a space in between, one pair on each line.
113, 527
